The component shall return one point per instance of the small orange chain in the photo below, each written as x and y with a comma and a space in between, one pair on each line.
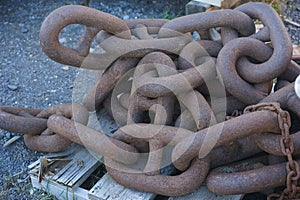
292, 190
234, 114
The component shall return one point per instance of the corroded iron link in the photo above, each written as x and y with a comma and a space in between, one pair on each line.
89, 17
223, 180
21, 120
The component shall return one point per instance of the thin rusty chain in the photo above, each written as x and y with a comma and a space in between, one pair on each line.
234, 114
292, 189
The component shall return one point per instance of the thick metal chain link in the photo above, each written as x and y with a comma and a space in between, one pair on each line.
292, 189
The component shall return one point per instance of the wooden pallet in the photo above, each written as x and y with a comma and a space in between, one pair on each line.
74, 168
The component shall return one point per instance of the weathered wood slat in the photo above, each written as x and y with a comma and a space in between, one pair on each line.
59, 191
69, 152
83, 163
204, 194
108, 189
85, 173
66, 172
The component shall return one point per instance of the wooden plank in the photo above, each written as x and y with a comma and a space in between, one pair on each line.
211, 2
79, 178
11, 140
62, 154
59, 191
82, 166
296, 52
107, 189
220, 3
33, 165
204, 194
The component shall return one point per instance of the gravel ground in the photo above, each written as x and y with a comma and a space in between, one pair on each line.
292, 12
29, 79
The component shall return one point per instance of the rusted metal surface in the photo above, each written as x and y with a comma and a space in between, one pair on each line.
90, 138
270, 143
143, 28
249, 124
75, 14
21, 120
291, 73
218, 18
48, 140
234, 151
287, 98
239, 182
108, 81
178, 102
152, 86
226, 65
281, 43
33, 123
181, 184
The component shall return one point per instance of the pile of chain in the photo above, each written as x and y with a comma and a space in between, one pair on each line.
204, 107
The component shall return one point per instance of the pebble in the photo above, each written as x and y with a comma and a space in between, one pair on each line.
24, 176
62, 40
12, 87
24, 30
8, 135
125, 17
196, 35
66, 68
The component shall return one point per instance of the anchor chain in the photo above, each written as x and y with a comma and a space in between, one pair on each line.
178, 102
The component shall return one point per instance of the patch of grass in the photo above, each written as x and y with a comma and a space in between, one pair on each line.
46, 196
276, 4
168, 15
44, 193
13, 184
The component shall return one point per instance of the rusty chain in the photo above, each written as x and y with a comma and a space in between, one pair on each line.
287, 147
178, 101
